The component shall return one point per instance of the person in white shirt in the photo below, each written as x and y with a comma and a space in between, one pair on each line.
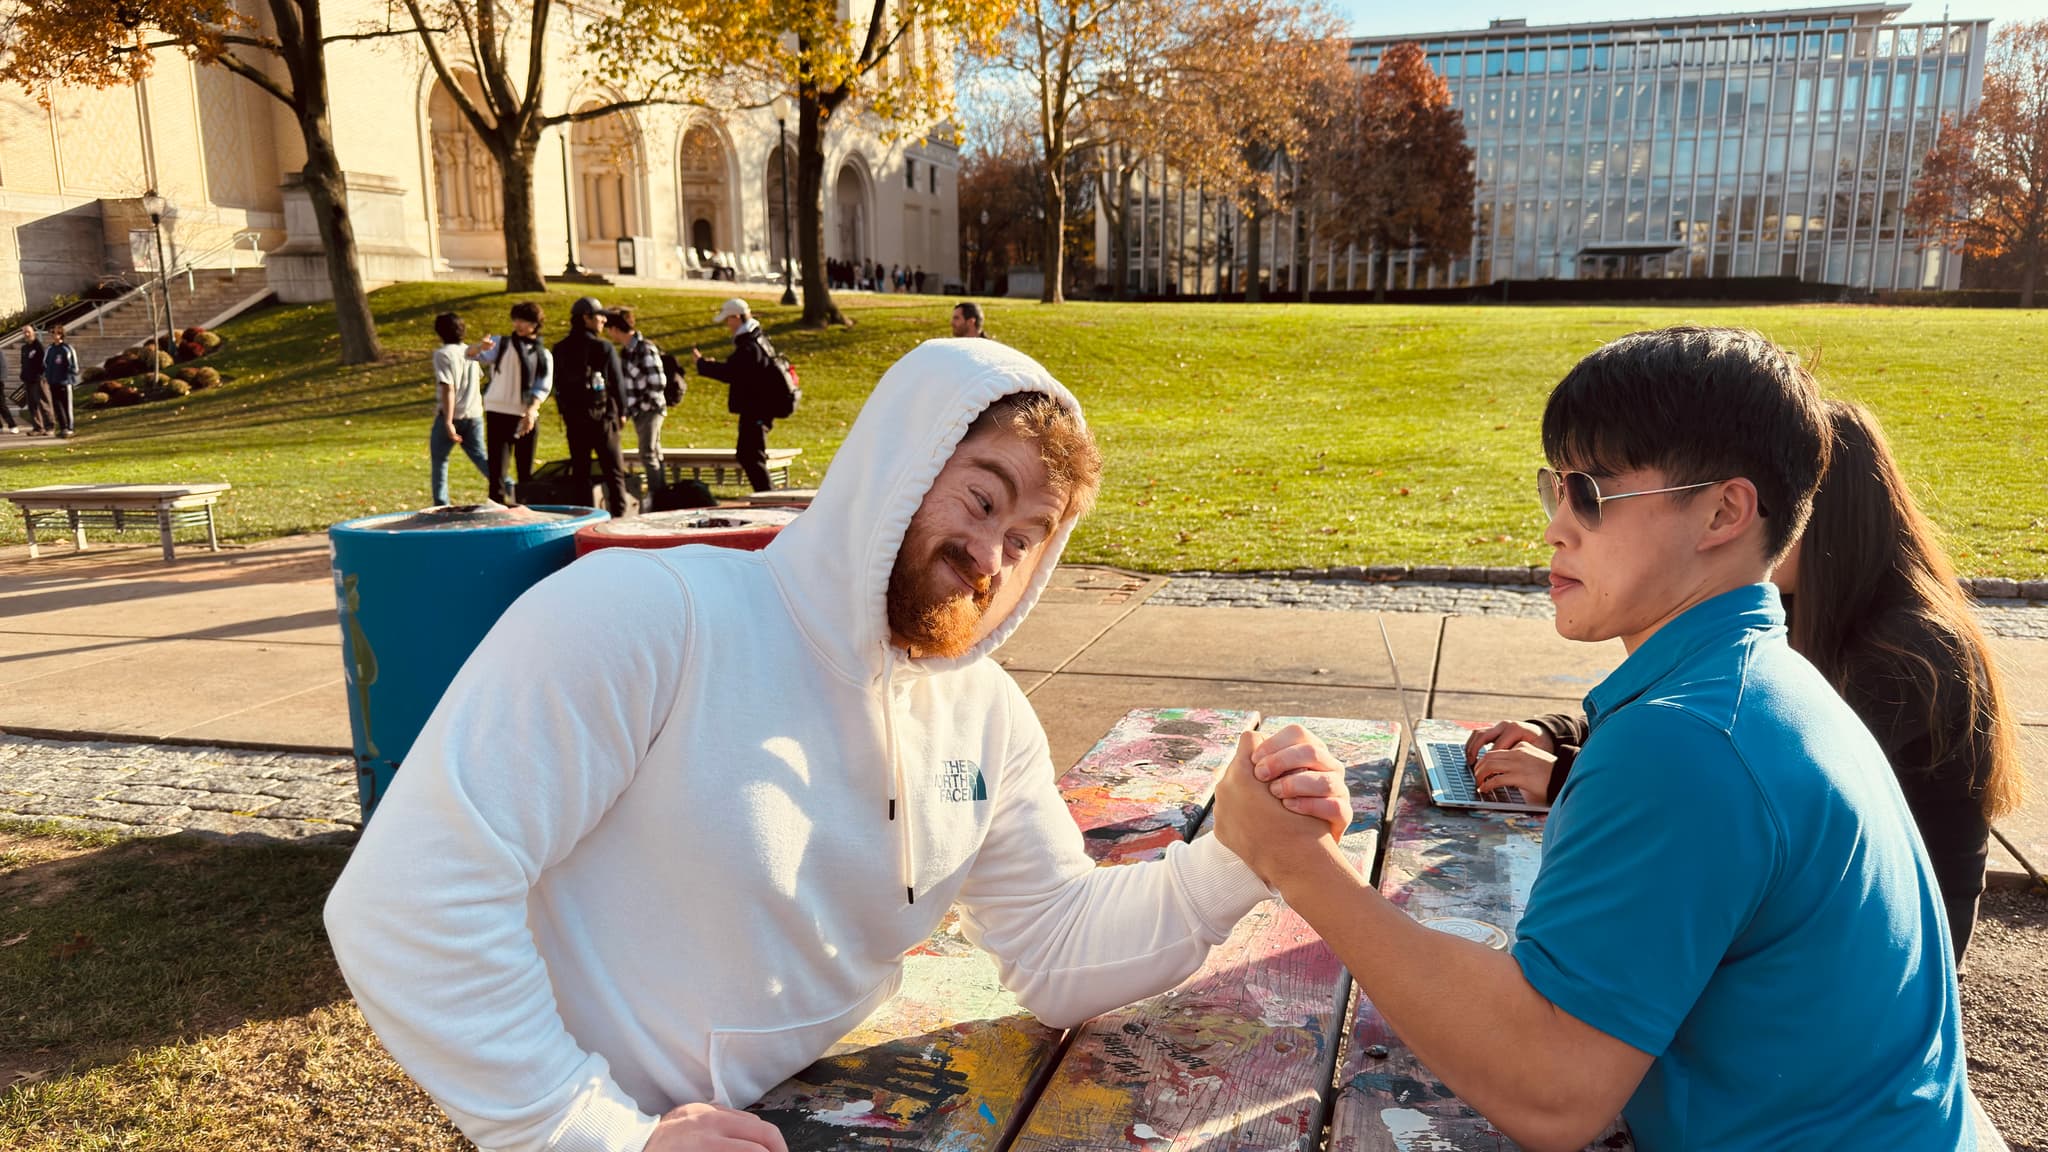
459, 407
518, 385
632, 876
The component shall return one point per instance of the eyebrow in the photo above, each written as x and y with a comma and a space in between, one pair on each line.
1010, 486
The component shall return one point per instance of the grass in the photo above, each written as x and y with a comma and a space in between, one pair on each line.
1238, 436
171, 994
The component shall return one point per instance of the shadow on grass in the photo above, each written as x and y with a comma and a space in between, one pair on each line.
106, 948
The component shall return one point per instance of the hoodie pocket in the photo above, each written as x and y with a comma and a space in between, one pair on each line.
747, 1062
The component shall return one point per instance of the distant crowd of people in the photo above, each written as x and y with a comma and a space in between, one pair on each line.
48, 374
868, 276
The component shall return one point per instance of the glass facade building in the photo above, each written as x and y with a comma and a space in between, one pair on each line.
1779, 143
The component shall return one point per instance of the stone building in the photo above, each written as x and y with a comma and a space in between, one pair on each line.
629, 189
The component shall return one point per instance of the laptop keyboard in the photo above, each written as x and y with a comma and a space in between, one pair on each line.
1456, 776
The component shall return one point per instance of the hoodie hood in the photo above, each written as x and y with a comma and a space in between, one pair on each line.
834, 561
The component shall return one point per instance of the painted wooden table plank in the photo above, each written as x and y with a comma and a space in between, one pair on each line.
948, 1063
1465, 872
1239, 1056
1146, 784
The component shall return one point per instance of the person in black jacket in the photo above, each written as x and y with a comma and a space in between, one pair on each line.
588, 387
741, 372
1885, 620
42, 419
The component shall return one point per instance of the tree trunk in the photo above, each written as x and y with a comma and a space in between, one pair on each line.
1254, 255
328, 193
1055, 226
522, 229
1119, 230
1379, 284
819, 308
2031, 274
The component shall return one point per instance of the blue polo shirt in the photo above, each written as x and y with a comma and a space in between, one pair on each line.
1732, 883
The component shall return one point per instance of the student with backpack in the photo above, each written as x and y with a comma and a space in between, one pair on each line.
761, 387
522, 376
588, 394
652, 382
60, 374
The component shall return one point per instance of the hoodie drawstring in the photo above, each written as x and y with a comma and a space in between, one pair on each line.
904, 849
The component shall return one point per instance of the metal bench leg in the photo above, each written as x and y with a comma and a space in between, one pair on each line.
77, 531
29, 518
163, 528
212, 539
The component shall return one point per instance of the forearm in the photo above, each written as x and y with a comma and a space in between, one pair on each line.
1465, 1009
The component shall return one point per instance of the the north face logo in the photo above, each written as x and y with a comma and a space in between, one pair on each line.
962, 782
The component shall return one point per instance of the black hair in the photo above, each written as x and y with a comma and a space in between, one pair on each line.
529, 311
620, 319
969, 310
1698, 405
450, 328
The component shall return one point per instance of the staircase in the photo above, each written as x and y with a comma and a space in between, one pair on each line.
212, 293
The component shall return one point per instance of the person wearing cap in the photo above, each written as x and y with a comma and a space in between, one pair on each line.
588, 391
749, 362
519, 383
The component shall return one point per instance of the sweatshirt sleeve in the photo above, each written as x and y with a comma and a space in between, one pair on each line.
1073, 940
538, 735
543, 379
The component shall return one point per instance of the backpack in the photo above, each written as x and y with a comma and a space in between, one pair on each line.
780, 391
673, 382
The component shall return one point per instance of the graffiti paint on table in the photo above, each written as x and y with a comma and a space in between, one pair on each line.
1238, 1056
1463, 872
1146, 784
946, 1064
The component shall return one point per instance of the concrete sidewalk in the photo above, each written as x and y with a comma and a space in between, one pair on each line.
242, 648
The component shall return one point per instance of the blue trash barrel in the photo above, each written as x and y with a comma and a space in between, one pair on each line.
416, 592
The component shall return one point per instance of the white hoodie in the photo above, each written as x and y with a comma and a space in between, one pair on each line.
643, 852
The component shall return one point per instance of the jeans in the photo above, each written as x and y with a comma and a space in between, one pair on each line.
600, 438
647, 426
752, 451
439, 446
501, 432
41, 418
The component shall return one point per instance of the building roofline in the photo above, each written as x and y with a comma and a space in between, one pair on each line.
1879, 9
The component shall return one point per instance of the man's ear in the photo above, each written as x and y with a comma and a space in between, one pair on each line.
1733, 510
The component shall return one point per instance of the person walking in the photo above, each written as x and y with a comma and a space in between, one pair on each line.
750, 362
7, 413
41, 421
60, 374
588, 383
643, 393
459, 411
522, 375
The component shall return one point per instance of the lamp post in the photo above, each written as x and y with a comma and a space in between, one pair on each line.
788, 265
157, 207
573, 271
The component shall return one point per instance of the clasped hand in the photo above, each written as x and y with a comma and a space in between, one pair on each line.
1282, 798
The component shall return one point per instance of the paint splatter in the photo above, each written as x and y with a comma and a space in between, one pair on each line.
1414, 1131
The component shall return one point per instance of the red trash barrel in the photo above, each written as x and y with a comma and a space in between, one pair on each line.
743, 528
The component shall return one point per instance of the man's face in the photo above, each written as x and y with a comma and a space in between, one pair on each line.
734, 323
962, 326
524, 328
617, 335
1642, 566
973, 546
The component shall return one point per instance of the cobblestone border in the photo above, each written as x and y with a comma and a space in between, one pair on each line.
1984, 589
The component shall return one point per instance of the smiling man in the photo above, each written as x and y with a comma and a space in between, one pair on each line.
599, 911
1735, 938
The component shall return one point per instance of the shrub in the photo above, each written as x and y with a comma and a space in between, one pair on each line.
98, 400
203, 378
190, 350
163, 360
119, 367
209, 340
95, 374
120, 395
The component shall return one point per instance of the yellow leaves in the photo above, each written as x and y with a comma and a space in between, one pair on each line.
94, 43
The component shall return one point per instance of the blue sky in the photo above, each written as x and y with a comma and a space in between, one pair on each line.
1387, 18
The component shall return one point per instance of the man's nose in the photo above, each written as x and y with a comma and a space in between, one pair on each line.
986, 551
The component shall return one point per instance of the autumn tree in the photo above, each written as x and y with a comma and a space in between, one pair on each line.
1001, 194
1392, 169
508, 109
891, 59
1983, 188
101, 43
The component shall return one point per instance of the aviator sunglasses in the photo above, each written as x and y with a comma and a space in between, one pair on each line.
1581, 493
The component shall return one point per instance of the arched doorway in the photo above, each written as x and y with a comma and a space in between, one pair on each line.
778, 228
606, 163
468, 197
850, 213
703, 181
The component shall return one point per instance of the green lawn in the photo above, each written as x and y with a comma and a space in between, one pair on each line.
1238, 436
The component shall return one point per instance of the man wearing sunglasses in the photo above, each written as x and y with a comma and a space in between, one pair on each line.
1734, 938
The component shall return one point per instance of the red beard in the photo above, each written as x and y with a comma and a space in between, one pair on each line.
929, 610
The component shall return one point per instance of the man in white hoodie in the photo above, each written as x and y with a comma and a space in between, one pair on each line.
600, 911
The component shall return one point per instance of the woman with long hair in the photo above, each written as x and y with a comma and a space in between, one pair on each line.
1873, 602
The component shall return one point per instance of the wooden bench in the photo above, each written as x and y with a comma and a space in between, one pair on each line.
675, 462
119, 507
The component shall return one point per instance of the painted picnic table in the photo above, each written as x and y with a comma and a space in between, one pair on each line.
1244, 1053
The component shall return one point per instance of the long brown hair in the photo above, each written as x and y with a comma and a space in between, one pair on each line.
1886, 600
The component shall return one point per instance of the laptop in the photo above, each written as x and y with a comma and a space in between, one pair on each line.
1443, 759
